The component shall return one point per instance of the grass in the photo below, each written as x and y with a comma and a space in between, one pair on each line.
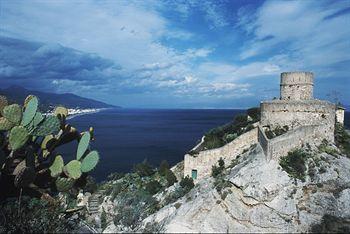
294, 163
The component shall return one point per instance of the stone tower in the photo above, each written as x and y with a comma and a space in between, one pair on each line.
297, 85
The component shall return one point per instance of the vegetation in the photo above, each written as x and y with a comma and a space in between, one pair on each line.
331, 224
32, 215
294, 163
144, 169
342, 139
276, 132
217, 170
31, 167
222, 135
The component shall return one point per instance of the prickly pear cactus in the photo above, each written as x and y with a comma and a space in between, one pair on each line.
25, 177
57, 166
13, 113
83, 145
28, 98
60, 110
64, 184
73, 169
38, 118
90, 161
3, 102
5, 125
18, 137
50, 125
30, 111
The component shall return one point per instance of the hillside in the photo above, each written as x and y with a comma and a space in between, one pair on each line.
17, 94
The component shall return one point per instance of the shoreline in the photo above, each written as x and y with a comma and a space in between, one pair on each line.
72, 113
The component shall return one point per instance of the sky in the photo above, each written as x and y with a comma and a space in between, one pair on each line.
174, 54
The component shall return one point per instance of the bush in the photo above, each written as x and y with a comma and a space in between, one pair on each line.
144, 169
153, 187
294, 163
342, 139
103, 219
331, 224
254, 113
170, 177
187, 183
217, 170
32, 216
164, 167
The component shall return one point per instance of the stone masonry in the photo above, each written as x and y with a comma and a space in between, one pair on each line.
308, 120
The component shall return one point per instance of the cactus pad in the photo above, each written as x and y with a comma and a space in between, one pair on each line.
73, 169
3, 102
5, 124
83, 145
24, 177
38, 118
13, 113
50, 125
18, 137
30, 110
60, 110
28, 98
64, 184
90, 161
57, 166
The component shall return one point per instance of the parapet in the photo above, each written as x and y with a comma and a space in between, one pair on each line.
297, 85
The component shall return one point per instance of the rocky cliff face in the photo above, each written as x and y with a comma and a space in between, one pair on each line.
259, 196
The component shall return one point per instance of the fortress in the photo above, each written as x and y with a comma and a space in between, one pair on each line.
305, 120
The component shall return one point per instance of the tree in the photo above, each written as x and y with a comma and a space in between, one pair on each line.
144, 169
170, 177
164, 167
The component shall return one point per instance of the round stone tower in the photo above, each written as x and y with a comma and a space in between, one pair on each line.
297, 85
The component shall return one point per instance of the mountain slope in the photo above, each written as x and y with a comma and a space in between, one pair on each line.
18, 94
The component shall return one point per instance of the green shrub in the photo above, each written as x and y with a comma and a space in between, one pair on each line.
153, 187
163, 168
103, 219
217, 170
187, 183
254, 113
32, 216
144, 169
170, 177
342, 139
294, 163
331, 224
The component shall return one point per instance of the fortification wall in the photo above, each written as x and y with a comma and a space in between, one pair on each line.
298, 113
204, 161
296, 85
281, 145
340, 113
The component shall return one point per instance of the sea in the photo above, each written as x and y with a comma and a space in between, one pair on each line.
125, 137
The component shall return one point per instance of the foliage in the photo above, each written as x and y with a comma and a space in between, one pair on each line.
278, 131
294, 163
342, 139
331, 224
170, 177
103, 219
163, 168
217, 170
187, 183
144, 169
32, 215
254, 113
325, 147
218, 137
153, 187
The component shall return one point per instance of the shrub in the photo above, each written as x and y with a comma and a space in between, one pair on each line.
32, 216
294, 163
217, 170
153, 187
187, 183
170, 177
164, 167
103, 219
331, 224
144, 169
254, 113
342, 139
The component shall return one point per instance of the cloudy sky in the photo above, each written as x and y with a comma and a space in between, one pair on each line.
174, 54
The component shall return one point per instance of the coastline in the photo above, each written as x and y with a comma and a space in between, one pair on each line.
72, 113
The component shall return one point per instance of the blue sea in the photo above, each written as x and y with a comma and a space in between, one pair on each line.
125, 137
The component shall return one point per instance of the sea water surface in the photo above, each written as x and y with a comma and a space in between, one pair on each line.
125, 137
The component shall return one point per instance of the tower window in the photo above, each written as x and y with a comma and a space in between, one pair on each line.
194, 174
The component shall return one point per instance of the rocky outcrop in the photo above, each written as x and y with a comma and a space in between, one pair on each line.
263, 198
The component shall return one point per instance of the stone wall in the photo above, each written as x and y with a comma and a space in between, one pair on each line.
298, 113
204, 161
340, 115
297, 85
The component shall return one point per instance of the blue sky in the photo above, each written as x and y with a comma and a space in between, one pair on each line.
174, 54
